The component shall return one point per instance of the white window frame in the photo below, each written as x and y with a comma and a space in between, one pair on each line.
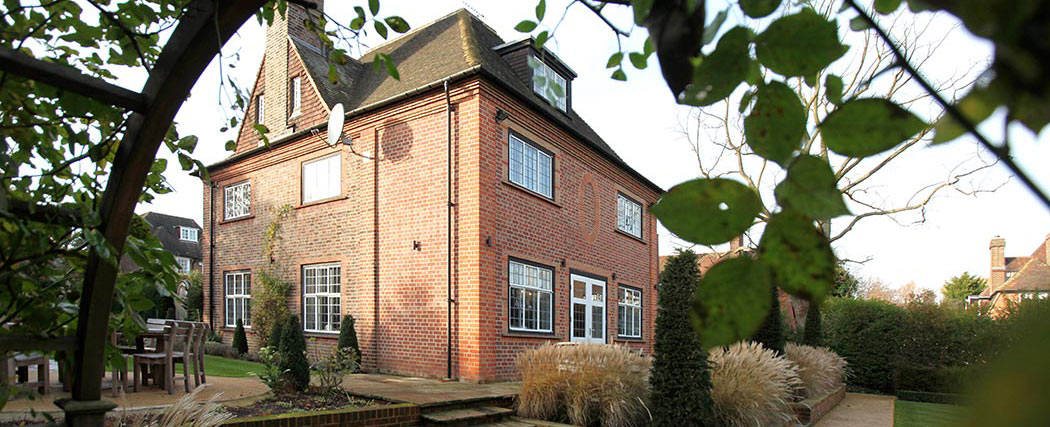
531, 167
529, 283
237, 200
629, 312
237, 291
542, 76
320, 295
260, 109
185, 264
628, 215
297, 95
189, 234
319, 186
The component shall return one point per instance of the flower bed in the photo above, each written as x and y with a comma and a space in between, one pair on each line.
310, 401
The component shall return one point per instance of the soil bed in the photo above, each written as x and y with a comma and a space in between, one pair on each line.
309, 401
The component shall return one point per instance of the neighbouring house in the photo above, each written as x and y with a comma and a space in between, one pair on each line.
178, 235
1013, 279
466, 213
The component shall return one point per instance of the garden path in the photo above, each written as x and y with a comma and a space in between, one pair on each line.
425, 392
859, 409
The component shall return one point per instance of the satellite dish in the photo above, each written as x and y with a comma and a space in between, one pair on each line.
335, 125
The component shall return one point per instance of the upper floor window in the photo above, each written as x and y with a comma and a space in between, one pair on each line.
238, 288
189, 234
238, 200
531, 166
184, 264
531, 297
321, 178
629, 315
297, 92
628, 215
321, 292
548, 84
260, 109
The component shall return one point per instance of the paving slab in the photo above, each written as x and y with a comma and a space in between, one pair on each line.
425, 391
858, 409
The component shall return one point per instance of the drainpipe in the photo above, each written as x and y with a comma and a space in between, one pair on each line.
448, 239
211, 254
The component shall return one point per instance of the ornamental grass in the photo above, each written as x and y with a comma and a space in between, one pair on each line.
752, 385
821, 370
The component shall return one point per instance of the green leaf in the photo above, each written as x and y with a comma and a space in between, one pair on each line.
711, 30
380, 28
373, 6
159, 165
541, 39
188, 143
708, 211
811, 188
541, 9
833, 89
858, 24
185, 161
731, 301
799, 45
614, 60
887, 7
641, 10
525, 26
799, 255
391, 68
397, 24
619, 75
864, 127
721, 72
745, 100
638, 60
231, 145
976, 106
776, 124
759, 8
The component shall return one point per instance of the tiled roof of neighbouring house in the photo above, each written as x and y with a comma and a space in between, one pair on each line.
166, 229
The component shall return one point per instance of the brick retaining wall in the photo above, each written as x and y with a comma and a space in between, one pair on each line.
387, 415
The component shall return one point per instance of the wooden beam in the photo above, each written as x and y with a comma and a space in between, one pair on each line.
203, 29
35, 343
67, 78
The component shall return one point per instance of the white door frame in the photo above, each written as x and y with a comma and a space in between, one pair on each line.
588, 303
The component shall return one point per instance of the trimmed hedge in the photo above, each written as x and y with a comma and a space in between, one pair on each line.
930, 397
867, 334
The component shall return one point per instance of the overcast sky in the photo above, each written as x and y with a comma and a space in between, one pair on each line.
640, 120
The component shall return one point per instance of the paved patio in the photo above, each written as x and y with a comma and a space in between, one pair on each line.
426, 392
857, 409
148, 398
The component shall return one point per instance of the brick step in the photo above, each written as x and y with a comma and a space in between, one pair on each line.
467, 416
524, 422
448, 405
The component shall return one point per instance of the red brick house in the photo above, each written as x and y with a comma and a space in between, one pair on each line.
467, 215
1013, 279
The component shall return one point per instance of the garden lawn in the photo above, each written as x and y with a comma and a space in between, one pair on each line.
919, 414
220, 367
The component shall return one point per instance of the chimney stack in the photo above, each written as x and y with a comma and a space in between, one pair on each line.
277, 82
997, 247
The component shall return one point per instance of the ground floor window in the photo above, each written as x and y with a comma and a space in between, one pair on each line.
630, 312
238, 287
321, 297
531, 297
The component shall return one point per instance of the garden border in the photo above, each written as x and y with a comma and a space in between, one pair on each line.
400, 414
811, 410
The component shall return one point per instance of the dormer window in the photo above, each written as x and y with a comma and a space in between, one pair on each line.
188, 234
548, 84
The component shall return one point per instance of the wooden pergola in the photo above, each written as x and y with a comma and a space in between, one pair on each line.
200, 34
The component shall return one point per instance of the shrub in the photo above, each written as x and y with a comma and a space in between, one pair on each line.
214, 336
813, 334
821, 370
933, 379
348, 336
867, 334
680, 380
240, 340
752, 385
771, 333
332, 367
194, 296
271, 374
219, 349
584, 384
276, 333
269, 305
293, 361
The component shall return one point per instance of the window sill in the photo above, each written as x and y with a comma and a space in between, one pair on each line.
639, 239
295, 115
325, 335
238, 219
322, 201
536, 335
530, 192
234, 328
629, 339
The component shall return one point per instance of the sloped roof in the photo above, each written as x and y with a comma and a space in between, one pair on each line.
1015, 263
166, 229
452, 46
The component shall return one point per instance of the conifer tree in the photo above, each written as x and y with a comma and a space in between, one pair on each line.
240, 339
813, 335
276, 333
293, 355
771, 333
348, 335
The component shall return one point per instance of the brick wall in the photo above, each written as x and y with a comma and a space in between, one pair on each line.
387, 415
397, 290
